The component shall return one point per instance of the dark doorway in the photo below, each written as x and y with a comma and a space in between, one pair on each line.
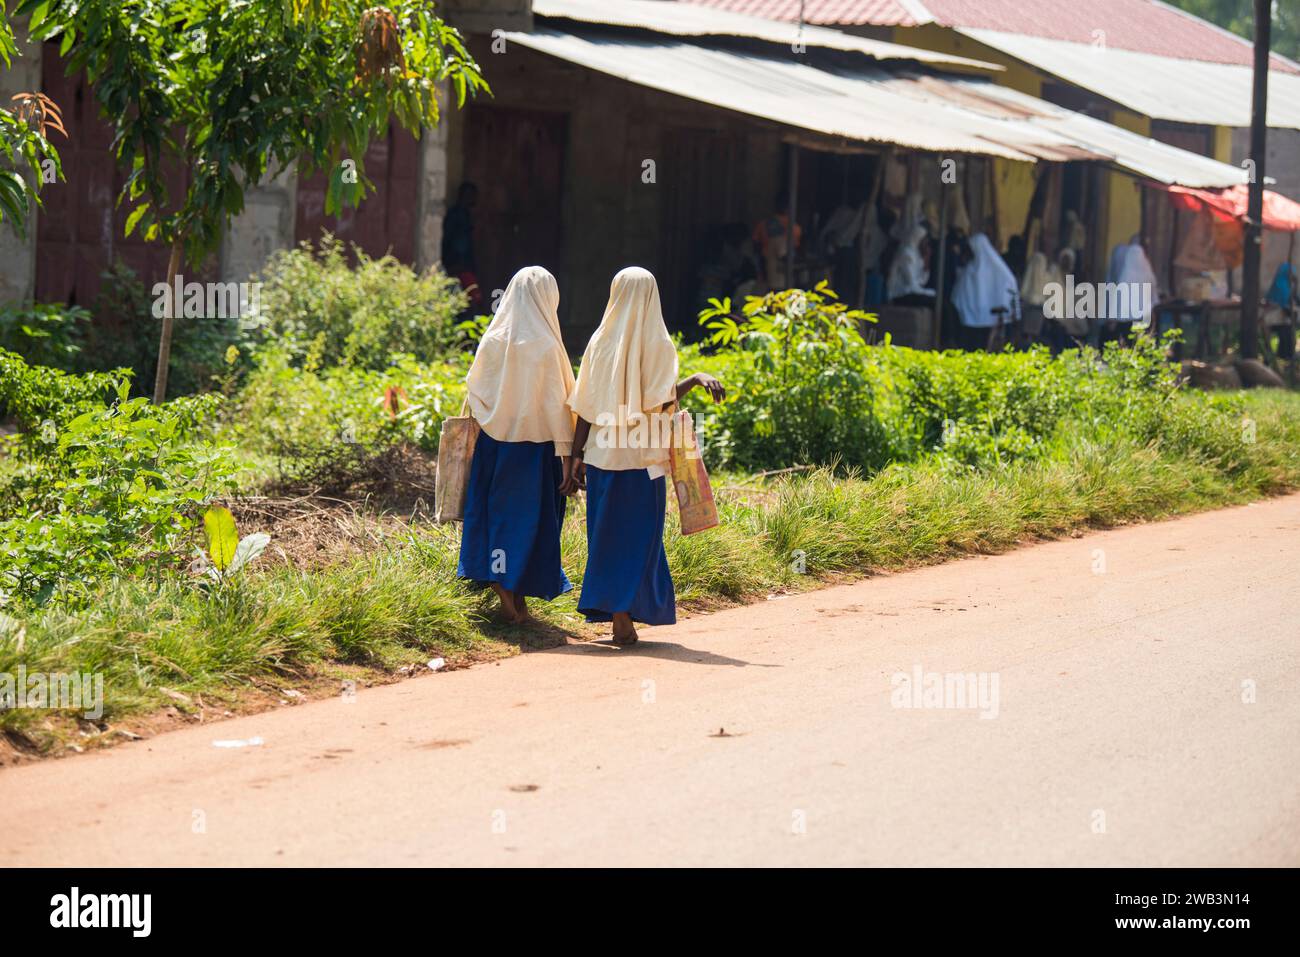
516, 159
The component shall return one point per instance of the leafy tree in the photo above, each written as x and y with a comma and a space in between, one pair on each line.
24, 144
229, 90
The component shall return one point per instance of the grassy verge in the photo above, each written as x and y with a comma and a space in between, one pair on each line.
400, 605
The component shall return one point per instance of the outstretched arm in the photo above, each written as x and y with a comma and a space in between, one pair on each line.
705, 381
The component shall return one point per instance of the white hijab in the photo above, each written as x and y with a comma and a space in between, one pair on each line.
628, 371
985, 283
1039, 273
1129, 265
907, 273
521, 379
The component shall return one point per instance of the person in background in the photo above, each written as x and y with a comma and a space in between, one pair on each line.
1284, 294
731, 269
1129, 267
458, 243
1016, 255
519, 388
772, 238
628, 377
956, 257
908, 274
987, 297
838, 243
1040, 275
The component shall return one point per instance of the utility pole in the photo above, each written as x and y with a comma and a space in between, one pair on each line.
1255, 208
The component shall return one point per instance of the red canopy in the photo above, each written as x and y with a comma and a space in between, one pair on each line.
1280, 213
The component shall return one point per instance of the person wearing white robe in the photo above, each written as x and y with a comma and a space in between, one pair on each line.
626, 384
519, 387
983, 285
908, 275
1130, 272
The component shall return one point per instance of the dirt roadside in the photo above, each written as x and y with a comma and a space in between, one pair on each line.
1147, 712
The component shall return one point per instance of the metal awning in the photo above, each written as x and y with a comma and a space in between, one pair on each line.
1164, 88
689, 20
1126, 150
870, 104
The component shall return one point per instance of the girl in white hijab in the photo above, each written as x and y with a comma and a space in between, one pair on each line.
984, 284
519, 388
907, 273
1131, 269
626, 384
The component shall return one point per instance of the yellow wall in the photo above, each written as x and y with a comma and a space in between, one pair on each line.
1223, 144
1015, 191
942, 40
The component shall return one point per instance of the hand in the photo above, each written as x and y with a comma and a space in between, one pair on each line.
575, 476
710, 385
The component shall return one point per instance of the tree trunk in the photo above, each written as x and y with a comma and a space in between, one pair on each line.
165, 340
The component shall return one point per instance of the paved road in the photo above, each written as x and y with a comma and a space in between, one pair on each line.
773, 734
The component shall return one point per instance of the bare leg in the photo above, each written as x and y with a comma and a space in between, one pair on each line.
507, 602
522, 613
624, 630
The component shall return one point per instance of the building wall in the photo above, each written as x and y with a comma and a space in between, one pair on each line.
931, 36
614, 213
1123, 201
484, 16
272, 209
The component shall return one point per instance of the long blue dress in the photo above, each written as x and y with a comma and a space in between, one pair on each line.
513, 514
627, 569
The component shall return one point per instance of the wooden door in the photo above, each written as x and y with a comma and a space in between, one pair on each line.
516, 159
384, 222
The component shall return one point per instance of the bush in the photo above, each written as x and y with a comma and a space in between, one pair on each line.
800, 386
44, 334
108, 485
804, 388
320, 428
315, 301
125, 334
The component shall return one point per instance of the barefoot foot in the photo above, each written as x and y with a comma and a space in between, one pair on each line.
624, 630
522, 614
508, 609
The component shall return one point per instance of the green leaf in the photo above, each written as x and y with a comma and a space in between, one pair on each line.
223, 537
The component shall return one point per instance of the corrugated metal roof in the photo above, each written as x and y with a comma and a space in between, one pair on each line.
1186, 91
1144, 26
1131, 151
684, 19
889, 13
874, 105
786, 91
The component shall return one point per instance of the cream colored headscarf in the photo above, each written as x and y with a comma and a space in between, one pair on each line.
628, 371
521, 379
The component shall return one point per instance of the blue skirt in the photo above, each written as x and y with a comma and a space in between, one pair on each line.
513, 514
627, 569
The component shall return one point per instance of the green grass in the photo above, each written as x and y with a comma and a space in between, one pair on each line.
401, 604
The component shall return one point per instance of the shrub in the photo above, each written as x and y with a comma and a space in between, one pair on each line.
46, 334
125, 334
321, 427
800, 388
108, 486
315, 301
34, 394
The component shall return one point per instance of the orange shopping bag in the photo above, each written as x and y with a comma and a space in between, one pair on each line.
691, 480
